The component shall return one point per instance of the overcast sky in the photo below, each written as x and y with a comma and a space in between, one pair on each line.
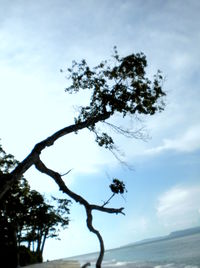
37, 39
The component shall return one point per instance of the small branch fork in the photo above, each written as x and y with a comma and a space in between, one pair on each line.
106, 203
88, 207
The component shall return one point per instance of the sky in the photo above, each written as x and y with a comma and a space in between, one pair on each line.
37, 39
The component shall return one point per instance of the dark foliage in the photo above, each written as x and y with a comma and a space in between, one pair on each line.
118, 86
118, 187
25, 218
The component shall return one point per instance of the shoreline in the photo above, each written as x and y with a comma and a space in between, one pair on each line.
56, 264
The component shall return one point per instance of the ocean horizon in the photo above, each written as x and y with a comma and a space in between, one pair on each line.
178, 250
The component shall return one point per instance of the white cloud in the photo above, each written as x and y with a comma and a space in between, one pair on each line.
188, 142
179, 207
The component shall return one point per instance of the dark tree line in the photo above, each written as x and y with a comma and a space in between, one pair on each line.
27, 220
119, 86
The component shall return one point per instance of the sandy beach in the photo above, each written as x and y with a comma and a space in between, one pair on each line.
56, 264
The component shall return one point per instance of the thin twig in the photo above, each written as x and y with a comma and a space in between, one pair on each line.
66, 172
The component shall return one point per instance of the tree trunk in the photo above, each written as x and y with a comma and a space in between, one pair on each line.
17, 248
29, 245
91, 228
43, 242
33, 246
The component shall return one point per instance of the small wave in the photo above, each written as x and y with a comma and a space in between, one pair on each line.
169, 265
124, 264
115, 263
173, 265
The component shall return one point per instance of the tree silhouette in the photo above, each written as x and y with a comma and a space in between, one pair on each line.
119, 86
26, 218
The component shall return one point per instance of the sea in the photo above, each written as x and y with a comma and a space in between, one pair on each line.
178, 252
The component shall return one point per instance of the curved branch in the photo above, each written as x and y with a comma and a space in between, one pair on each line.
59, 181
88, 207
93, 230
30, 159
107, 210
39, 147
